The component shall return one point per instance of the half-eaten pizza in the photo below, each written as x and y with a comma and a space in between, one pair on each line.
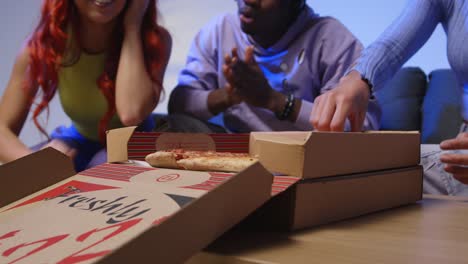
200, 160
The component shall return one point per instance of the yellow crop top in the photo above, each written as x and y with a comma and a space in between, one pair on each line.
80, 96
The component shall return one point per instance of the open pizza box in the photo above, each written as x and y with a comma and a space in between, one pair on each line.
323, 177
118, 213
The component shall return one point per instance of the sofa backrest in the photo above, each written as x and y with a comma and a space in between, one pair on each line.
410, 102
401, 100
442, 108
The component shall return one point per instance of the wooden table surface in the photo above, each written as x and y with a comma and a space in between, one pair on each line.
435, 230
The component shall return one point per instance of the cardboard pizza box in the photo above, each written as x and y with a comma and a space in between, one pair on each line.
340, 175
342, 187
318, 201
321, 154
299, 154
118, 213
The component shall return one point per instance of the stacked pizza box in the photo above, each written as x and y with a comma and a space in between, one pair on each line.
340, 175
125, 211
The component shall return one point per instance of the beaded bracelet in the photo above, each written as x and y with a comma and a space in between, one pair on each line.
288, 107
369, 84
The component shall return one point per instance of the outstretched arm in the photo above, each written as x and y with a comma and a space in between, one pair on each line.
14, 108
339, 53
378, 63
136, 93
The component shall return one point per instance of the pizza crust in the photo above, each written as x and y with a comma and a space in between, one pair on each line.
200, 160
227, 164
163, 159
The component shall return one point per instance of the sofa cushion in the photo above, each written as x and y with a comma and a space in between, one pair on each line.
401, 100
441, 111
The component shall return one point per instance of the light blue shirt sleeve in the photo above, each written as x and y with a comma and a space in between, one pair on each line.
407, 34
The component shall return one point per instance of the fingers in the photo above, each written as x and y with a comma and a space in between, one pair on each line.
316, 111
459, 173
330, 113
357, 121
456, 165
327, 112
461, 142
324, 114
227, 59
227, 72
228, 69
455, 159
249, 55
234, 54
339, 118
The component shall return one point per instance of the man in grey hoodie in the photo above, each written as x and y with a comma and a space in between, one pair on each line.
264, 66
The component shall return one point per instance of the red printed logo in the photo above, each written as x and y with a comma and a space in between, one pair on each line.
168, 177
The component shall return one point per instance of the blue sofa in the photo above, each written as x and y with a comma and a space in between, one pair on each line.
430, 104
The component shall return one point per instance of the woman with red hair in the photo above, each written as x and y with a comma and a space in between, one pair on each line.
106, 59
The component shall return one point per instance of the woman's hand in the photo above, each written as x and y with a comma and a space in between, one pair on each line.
456, 163
134, 14
349, 100
62, 147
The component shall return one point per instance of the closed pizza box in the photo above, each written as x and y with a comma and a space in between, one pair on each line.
321, 154
118, 213
318, 201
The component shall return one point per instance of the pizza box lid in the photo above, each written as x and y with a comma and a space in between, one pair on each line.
118, 213
323, 154
125, 144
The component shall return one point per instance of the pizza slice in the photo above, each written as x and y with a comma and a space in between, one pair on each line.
200, 160
217, 163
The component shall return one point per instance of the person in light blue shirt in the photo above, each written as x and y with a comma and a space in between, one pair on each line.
278, 55
380, 61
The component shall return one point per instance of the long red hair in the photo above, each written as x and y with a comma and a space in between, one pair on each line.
48, 45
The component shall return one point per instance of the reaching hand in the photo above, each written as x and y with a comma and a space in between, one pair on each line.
349, 100
62, 147
134, 13
246, 79
456, 163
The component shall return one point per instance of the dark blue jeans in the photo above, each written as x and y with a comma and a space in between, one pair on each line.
86, 148
89, 152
